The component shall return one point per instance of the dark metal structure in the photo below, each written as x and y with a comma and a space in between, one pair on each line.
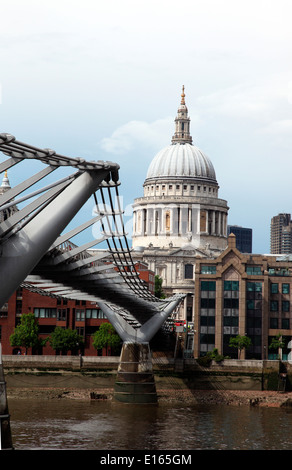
37, 252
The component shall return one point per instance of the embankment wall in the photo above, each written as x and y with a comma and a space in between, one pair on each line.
96, 371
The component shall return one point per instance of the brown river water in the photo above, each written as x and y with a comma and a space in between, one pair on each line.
104, 425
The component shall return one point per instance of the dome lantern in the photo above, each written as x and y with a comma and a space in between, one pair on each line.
182, 123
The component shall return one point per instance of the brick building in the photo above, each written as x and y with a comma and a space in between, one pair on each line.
83, 316
242, 294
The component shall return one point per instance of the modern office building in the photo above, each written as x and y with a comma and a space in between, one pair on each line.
281, 234
243, 237
243, 294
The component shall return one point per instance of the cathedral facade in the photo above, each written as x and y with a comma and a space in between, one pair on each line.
180, 217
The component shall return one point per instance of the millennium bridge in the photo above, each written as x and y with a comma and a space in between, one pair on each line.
39, 217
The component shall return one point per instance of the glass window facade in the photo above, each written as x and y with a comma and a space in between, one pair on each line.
62, 314
208, 269
274, 288
254, 298
274, 306
253, 270
80, 315
208, 285
230, 315
207, 316
94, 313
285, 288
274, 323
285, 306
254, 312
285, 323
45, 312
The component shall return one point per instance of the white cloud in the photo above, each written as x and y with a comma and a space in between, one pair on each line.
281, 127
250, 100
139, 133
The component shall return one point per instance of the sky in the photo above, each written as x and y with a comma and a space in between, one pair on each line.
102, 81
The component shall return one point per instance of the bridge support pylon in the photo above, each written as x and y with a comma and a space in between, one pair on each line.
135, 383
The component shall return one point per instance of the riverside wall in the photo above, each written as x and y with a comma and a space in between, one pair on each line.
89, 372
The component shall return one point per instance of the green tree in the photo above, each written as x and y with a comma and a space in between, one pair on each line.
158, 292
63, 340
240, 342
278, 344
26, 333
106, 337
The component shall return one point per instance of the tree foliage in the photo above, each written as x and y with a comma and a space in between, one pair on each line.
106, 337
206, 360
158, 292
240, 342
26, 333
64, 340
277, 343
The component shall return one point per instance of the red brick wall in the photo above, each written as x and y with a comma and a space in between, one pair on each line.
26, 301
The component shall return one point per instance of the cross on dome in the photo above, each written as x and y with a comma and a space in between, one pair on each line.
183, 95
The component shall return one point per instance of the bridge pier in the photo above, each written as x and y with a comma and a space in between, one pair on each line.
135, 382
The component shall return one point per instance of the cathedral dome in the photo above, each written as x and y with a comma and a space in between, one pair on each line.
181, 161
180, 207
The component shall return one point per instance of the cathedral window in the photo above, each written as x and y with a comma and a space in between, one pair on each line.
167, 221
203, 221
189, 271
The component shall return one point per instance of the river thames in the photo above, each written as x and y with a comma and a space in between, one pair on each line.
104, 425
